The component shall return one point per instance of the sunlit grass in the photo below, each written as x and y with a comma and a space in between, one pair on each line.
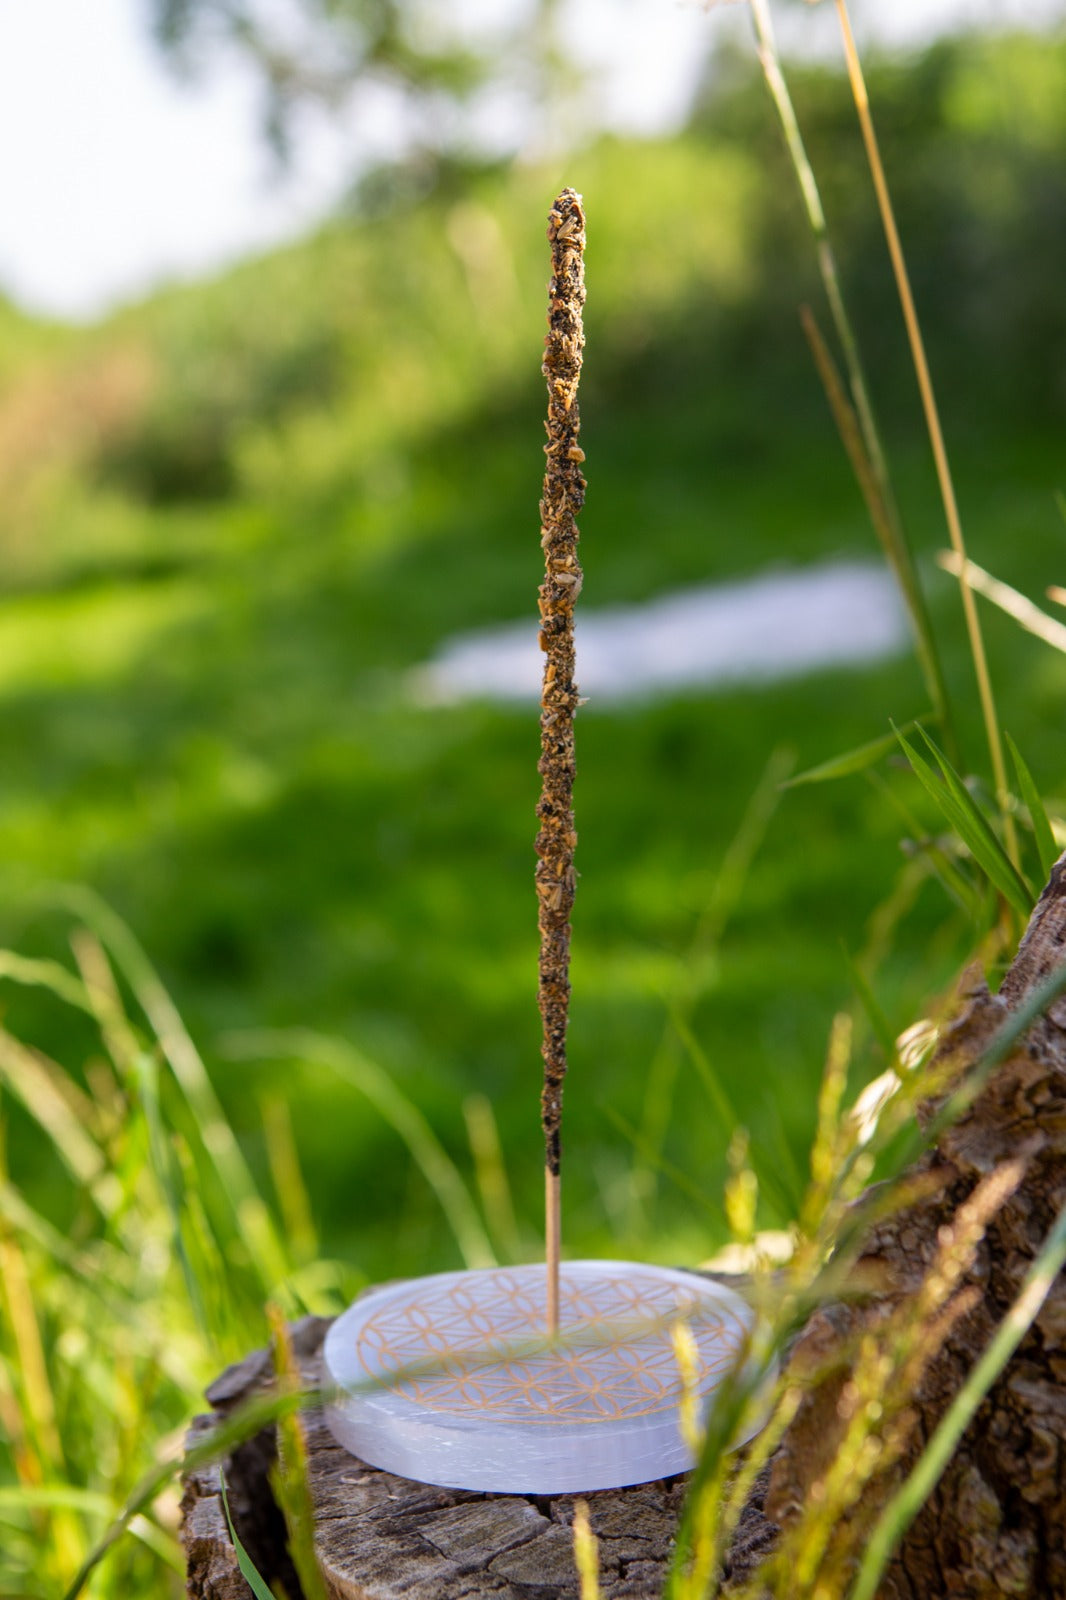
213, 599
90, 639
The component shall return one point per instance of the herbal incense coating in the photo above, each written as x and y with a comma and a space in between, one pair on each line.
564, 495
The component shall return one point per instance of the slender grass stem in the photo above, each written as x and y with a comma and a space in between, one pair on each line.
879, 505
770, 62
289, 1478
677, 1038
233, 1430
41, 1443
252, 1218
1016, 605
430, 1156
932, 421
586, 1553
490, 1172
887, 521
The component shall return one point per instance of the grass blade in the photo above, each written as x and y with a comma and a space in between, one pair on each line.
253, 1221
44, 975
586, 1553
249, 1571
962, 813
1046, 848
727, 1414
232, 1431
289, 1476
711, 1080
38, 1407
954, 883
288, 1179
50, 1495
976, 817
852, 761
960, 794
162, 1544
434, 1162
490, 1172
29, 1080
147, 1071
660, 1163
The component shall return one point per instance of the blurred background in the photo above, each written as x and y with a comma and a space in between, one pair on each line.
272, 296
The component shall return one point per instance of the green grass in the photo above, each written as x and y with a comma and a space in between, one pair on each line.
240, 513
227, 753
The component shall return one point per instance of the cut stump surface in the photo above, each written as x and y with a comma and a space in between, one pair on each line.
379, 1537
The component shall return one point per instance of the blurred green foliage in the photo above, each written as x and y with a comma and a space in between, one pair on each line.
237, 515
972, 133
327, 51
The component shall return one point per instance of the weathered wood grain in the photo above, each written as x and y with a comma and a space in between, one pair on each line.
210, 1559
378, 1536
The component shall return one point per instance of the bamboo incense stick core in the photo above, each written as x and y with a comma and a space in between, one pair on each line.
564, 495
552, 1240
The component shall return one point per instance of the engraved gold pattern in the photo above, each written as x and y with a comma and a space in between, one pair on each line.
473, 1342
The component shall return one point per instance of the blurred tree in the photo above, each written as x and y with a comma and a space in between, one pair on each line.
434, 59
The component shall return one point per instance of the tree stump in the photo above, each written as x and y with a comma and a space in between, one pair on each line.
995, 1525
378, 1536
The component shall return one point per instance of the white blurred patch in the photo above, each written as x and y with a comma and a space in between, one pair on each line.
755, 631
772, 1247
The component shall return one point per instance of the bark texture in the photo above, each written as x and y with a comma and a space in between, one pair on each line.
996, 1524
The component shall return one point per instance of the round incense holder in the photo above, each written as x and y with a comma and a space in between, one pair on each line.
452, 1379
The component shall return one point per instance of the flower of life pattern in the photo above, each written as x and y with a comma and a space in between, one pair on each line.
474, 1342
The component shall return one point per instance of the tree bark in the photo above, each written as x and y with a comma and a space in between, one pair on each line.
996, 1523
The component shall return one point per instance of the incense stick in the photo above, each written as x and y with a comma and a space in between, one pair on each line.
564, 495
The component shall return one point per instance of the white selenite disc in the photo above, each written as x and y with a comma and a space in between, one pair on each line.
452, 1380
